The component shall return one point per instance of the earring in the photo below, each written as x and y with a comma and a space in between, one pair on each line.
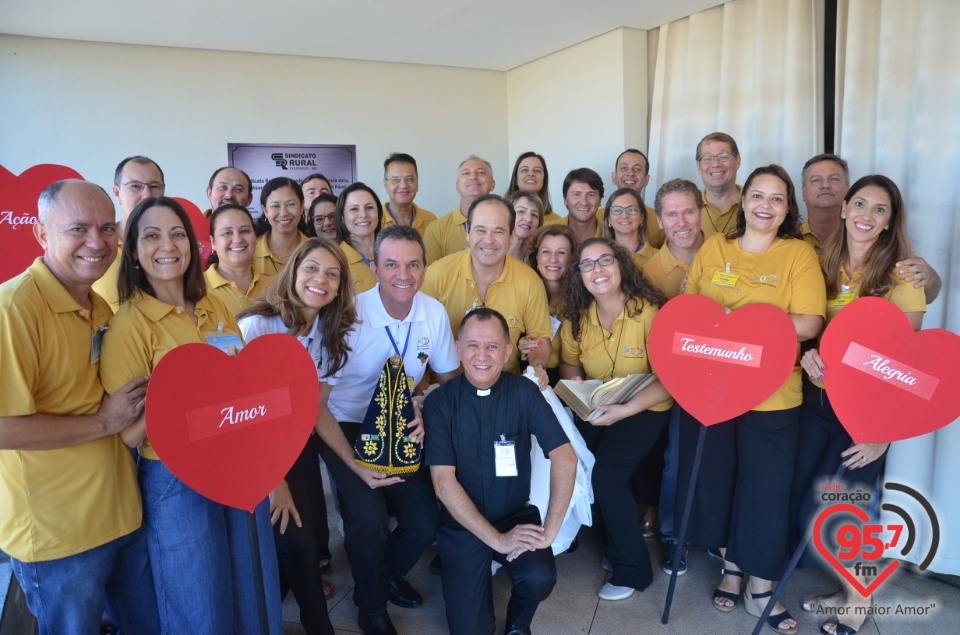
136, 266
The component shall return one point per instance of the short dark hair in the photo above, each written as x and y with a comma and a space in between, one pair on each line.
139, 160
583, 175
677, 186
131, 277
646, 161
482, 314
271, 186
359, 186
820, 158
399, 232
213, 177
722, 137
399, 157
317, 175
492, 197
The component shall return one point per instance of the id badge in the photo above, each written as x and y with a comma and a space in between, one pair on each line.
224, 341
96, 343
841, 300
725, 279
554, 325
505, 457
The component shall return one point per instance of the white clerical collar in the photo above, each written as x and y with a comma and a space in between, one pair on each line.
483, 393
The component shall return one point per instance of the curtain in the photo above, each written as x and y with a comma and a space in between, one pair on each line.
748, 68
898, 99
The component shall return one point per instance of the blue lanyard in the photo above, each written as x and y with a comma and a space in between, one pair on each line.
413, 217
394, 342
364, 259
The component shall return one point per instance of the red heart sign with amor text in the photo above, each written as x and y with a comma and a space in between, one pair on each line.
18, 214
718, 365
201, 227
231, 427
886, 382
832, 559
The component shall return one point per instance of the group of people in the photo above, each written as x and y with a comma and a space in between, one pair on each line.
375, 291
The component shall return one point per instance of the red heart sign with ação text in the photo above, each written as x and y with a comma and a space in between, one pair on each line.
886, 382
231, 427
18, 214
717, 365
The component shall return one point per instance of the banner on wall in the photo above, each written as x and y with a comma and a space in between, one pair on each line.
264, 161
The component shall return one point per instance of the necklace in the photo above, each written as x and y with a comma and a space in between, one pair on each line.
616, 347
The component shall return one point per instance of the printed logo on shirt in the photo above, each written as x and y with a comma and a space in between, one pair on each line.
769, 280
513, 322
423, 343
633, 351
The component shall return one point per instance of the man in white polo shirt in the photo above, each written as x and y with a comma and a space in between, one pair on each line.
394, 319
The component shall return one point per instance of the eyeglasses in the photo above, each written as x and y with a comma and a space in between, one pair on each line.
707, 159
409, 180
320, 220
605, 260
138, 186
631, 211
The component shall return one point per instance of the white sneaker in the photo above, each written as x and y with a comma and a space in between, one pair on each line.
613, 592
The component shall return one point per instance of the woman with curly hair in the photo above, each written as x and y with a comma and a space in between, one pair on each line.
312, 300
608, 307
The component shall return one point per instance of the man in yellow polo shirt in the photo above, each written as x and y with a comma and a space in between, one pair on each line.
678, 206
401, 180
582, 194
70, 509
136, 179
826, 179
449, 234
632, 170
228, 185
718, 159
485, 276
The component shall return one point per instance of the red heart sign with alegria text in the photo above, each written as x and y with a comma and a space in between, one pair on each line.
836, 564
18, 214
201, 227
231, 427
716, 365
886, 382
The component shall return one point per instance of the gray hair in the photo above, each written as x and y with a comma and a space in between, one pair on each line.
474, 157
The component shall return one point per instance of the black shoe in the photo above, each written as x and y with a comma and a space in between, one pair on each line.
435, 564
404, 595
671, 555
517, 630
376, 623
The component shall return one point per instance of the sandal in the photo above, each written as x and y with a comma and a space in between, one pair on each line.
727, 595
839, 628
774, 621
327, 590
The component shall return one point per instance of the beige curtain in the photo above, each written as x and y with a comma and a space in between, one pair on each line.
748, 68
898, 108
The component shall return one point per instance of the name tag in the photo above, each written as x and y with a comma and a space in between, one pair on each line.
554, 324
841, 300
224, 341
505, 457
725, 279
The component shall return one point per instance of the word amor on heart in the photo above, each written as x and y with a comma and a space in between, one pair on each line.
9, 218
231, 416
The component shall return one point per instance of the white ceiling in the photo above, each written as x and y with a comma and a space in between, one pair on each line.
489, 34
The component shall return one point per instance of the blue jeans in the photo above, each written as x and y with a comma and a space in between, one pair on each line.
67, 595
200, 558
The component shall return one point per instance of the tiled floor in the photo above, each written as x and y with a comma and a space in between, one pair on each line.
574, 607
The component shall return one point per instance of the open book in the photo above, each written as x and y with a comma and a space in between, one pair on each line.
586, 398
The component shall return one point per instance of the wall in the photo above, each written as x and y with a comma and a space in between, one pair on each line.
88, 105
580, 106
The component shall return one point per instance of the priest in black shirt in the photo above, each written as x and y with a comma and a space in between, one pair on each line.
479, 426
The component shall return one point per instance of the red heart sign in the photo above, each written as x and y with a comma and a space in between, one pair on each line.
718, 365
885, 382
231, 427
201, 226
18, 213
832, 559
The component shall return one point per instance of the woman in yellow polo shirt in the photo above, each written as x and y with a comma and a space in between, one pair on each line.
282, 227
199, 550
530, 175
230, 273
529, 209
741, 503
358, 219
623, 223
553, 247
608, 307
859, 260
311, 300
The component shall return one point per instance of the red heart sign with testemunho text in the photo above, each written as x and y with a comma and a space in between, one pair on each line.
717, 365
231, 427
18, 214
886, 382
